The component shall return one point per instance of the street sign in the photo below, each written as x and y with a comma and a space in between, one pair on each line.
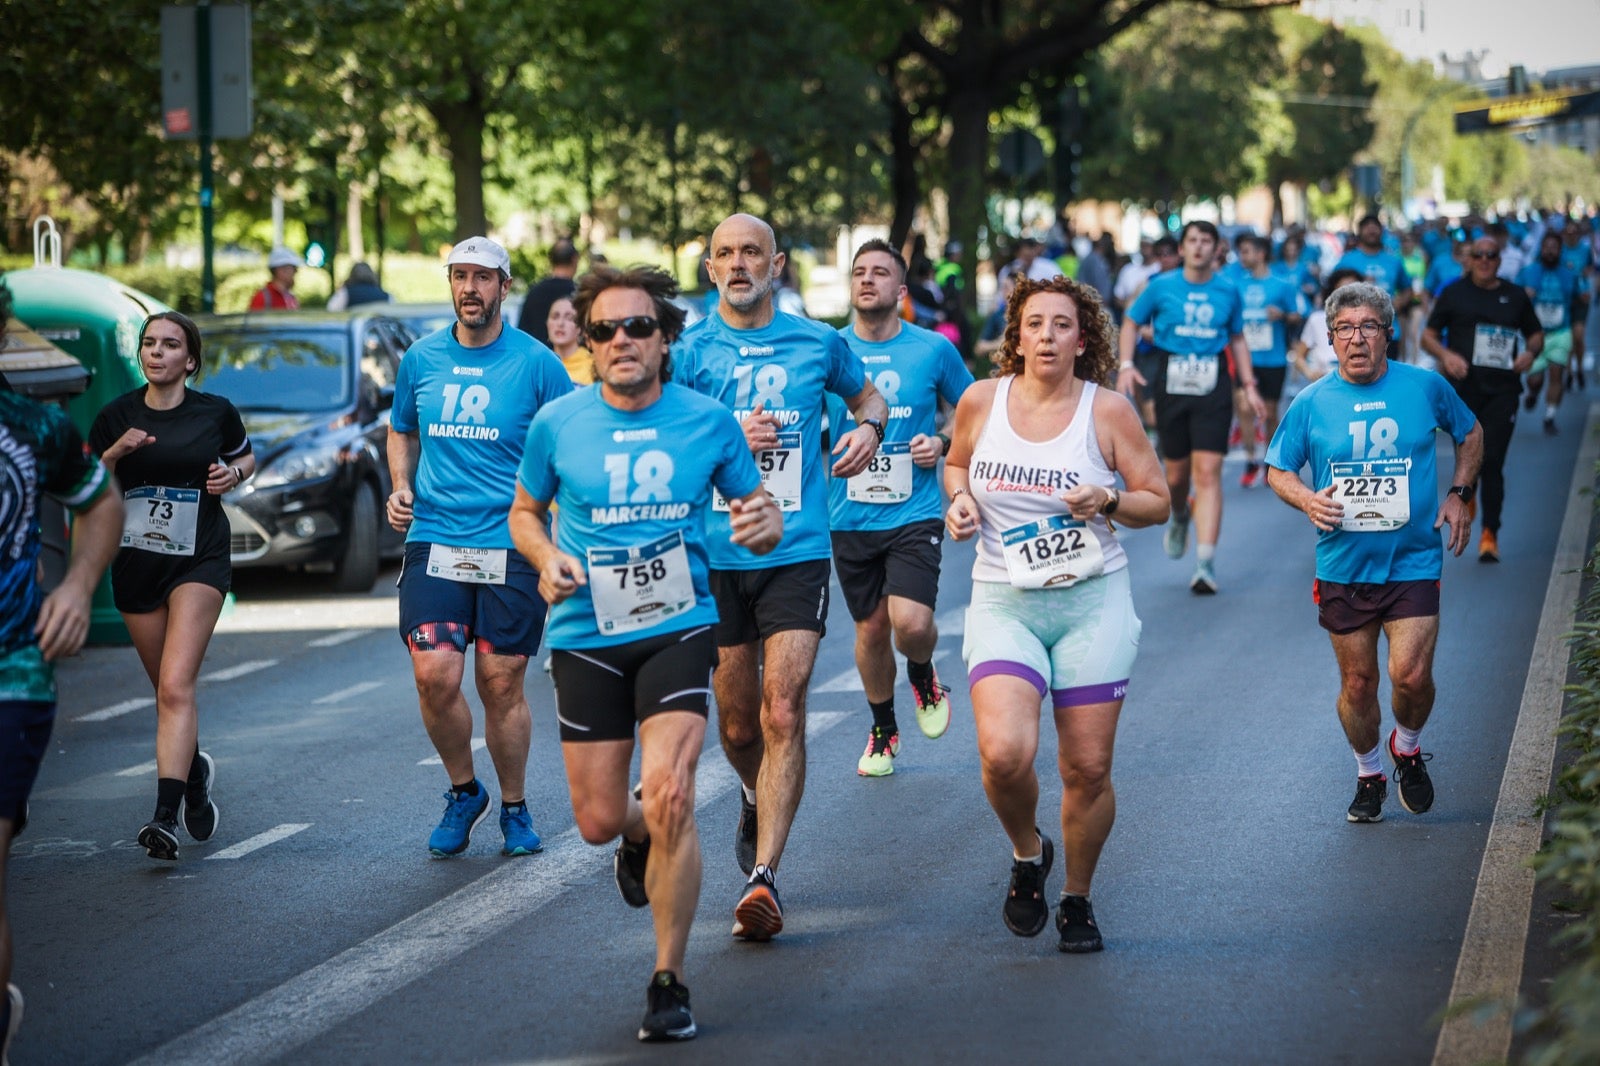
231, 113
1527, 110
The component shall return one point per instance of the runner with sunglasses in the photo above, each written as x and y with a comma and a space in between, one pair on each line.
463, 400
632, 465
1485, 333
772, 370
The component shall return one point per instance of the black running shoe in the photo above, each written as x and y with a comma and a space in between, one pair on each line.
1368, 804
1075, 922
199, 813
1411, 779
1026, 913
744, 840
758, 915
666, 1016
629, 863
159, 837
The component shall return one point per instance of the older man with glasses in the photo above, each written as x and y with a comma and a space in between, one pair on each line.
1367, 433
1485, 333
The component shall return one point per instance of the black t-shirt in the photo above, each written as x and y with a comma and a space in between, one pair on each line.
202, 430
1462, 307
536, 308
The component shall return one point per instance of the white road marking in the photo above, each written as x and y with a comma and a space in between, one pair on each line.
233, 673
850, 680
140, 770
268, 1027
335, 639
1496, 940
260, 840
478, 744
116, 710
349, 693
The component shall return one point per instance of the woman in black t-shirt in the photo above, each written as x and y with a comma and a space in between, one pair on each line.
175, 452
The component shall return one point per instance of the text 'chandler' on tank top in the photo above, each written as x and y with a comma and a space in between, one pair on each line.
1018, 484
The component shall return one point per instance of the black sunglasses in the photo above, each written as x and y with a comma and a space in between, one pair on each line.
1484, 255
638, 327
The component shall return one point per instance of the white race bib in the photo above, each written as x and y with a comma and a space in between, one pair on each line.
780, 474
887, 479
478, 566
1552, 315
159, 519
1257, 335
1494, 347
1376, 494
637, 588
1051, 553
1191, 375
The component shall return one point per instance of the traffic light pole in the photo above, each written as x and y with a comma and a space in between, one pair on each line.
208, 280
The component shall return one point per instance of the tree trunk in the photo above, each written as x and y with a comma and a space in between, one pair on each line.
353, 210
462, 126
903, 184
969, 157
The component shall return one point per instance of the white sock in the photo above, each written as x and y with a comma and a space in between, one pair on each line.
749, 794
1549, 411
1037, 858
1205, 552
1407, 741
1371, 763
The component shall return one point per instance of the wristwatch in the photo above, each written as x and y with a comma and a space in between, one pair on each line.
1113, 500
877, 427
1464, 491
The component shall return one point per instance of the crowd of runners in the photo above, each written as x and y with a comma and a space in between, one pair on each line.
665, 509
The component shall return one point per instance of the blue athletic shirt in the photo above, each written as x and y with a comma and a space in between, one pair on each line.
785, 366
1260, 294
1553, 292
1385, 269
471, 408
1576, 259
914, 370
1190, 318
1441, 272
1297, 274
628, 480
1393, 418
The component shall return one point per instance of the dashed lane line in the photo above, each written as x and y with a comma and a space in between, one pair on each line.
478, 744
233, 673
1489, 968
260, 840
140, 770
335, 639
360, 688
850, 680
117, 710
270, 1026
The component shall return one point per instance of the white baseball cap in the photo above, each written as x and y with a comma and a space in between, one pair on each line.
283, 257
480, 251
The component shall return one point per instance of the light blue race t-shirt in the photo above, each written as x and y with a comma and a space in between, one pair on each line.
631, 488
914, 370
1265, 337
1553, 291
1379, 438
1384, 269
471, 408
1190, 318
785, 367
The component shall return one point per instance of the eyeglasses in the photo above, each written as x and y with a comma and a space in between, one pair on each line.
1484, 255
638, 327
1370, 330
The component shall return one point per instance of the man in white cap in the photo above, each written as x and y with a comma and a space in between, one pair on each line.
278, 293
463, 400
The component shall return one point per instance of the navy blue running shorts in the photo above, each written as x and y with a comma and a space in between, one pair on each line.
503, 619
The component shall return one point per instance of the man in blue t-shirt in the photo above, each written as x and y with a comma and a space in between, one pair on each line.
463, 400
887, 520
632, 465
41, 454
772, 370
1367, 433
1562, 305
1273, 312
1381, 266
1197, 321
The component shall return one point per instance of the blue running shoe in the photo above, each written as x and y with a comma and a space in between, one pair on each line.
517, 825
462, 813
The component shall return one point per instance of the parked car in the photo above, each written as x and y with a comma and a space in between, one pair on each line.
314, 389
423, 318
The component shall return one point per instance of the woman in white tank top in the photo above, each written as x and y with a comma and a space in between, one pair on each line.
1034, 459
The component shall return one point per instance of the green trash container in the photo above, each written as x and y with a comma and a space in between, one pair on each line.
97, 320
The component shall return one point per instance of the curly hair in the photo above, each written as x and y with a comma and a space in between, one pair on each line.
660, 286
1098, 360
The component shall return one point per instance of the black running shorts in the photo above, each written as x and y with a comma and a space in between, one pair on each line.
602, 693
875, 563
754, 604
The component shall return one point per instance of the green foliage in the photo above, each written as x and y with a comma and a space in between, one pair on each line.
1567, 1026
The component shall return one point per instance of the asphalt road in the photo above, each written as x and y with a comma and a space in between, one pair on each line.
1245, 920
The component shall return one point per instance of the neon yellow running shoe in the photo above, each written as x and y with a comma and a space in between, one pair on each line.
933, 707
878, 759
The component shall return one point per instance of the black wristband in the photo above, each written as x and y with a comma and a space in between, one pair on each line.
946, 441
877, 427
